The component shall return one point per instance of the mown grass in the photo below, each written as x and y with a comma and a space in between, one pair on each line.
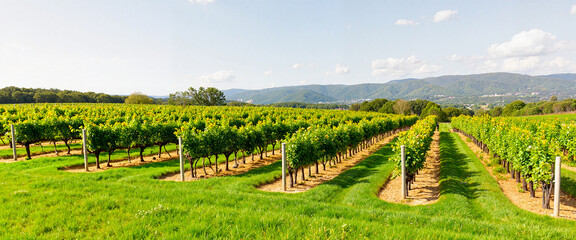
39, 201
563, 117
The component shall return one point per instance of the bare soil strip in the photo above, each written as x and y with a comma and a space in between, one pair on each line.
513, 190
233, 169
42, 155
573, 169
124, 162
325, 175
426, 188
45, 144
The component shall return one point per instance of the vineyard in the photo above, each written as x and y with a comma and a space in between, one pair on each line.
40, 200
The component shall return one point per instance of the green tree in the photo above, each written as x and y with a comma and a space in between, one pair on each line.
45, 97
495, 112
513, 107
201, 96
401, 107
355, 107
208, 96
388, 107
138, 98
373, 106
418, 105
553, 98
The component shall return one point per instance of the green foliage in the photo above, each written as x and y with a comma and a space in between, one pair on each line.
39, 95
373, 106
417, 143
138, 98
530, 145
310, 105
202, 96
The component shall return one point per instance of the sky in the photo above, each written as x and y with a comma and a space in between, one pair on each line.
159, 47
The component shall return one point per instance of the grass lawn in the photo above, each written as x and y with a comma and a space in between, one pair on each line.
562, 117
39, 201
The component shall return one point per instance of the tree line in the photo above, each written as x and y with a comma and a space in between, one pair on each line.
520, 108
40, 95
422, 108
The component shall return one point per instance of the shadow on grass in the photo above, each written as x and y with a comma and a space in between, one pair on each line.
360, 174
568, 182
454, 171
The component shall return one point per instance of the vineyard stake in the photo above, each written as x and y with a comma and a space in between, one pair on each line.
84, 150
284, 167
181, 159
557, 188
403, 159
13, 141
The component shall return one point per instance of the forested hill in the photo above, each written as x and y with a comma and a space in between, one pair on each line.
488, 87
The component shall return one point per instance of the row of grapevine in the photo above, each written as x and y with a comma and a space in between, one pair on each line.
417, 142
220, 130
526, 148
328, 144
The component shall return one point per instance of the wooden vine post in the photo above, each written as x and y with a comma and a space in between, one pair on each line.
403, 159
284, 167
181, 159
13, 132
557, 187
85, 150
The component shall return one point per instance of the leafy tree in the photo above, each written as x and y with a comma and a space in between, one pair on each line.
373, 106
418, 105
553, 98
388, 107
401, 107
45, 97
512, 107
138, 98
208, 96
201, 96
355, 107
495, 112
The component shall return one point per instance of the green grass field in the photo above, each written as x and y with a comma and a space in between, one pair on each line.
39, 201
562, 117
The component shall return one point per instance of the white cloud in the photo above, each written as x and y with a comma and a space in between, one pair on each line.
533, 65
218, 77
297, 65
267, 73
465, 59
573, 10
406, 22
340, 70
523, 64
527, 43
402, 67
201, 1
559, 65
444, 15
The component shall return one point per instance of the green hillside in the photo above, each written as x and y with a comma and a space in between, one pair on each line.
503, 87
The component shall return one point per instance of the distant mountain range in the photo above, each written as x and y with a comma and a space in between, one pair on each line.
452, 89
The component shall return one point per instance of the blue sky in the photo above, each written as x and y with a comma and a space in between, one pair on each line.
162, 46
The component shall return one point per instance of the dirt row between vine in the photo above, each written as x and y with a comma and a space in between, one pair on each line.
42, 155
512, 189
325, 175
426, 188
123, 162
45, 144
233, 169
